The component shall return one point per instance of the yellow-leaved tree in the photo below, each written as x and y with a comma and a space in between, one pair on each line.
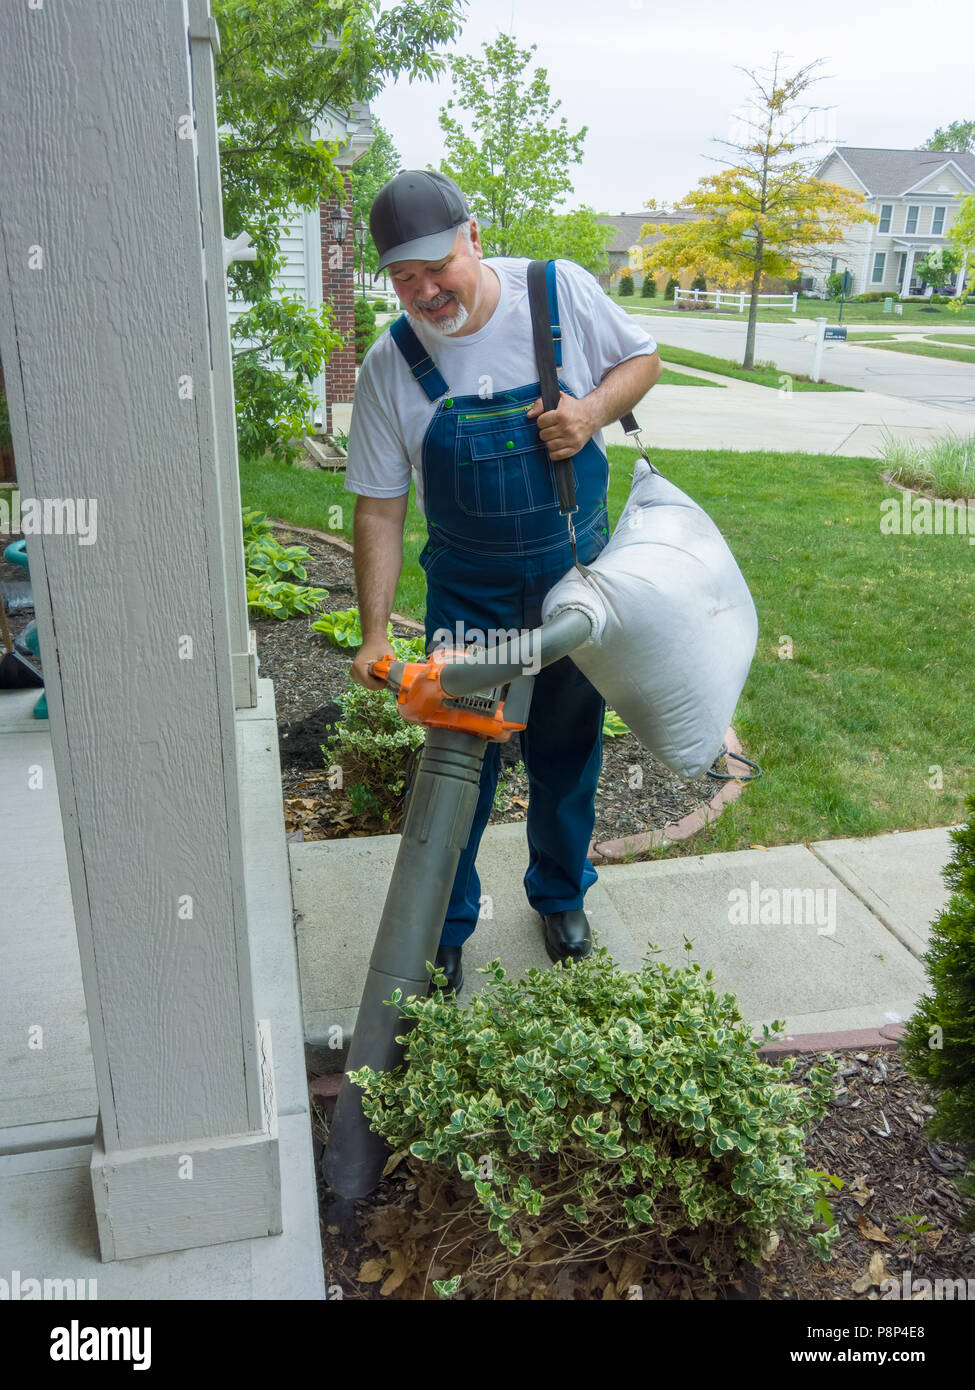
767, 210
962, 237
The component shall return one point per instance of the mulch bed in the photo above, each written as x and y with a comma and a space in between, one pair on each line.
410, 1231
309, 674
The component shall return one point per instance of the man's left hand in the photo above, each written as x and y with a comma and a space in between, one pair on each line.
565, 430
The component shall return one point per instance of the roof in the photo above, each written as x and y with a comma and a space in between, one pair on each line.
895, 171
629, 224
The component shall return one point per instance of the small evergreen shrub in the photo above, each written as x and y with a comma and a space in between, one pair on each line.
699, 283
365, 328
616, 1109
626, 283
672, 285
648, 290
834, 284
938, 1046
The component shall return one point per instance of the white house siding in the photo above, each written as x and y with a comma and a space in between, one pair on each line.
859, 247
300, 276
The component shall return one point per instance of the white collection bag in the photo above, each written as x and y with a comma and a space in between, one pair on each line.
674, 625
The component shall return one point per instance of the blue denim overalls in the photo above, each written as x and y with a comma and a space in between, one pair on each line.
497, 543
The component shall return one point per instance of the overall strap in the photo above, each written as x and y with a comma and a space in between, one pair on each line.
547, 335
419, 361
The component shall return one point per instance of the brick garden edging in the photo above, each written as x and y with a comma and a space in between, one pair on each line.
609, 850
615, 850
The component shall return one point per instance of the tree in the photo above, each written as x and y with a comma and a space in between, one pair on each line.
939, 267
512, 163
576, 236
376, 167
282, 63
961, 234
758, 216
960, 135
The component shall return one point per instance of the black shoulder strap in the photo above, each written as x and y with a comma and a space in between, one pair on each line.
547, 375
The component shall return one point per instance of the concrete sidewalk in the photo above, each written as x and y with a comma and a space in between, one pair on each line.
828, 937
746, 417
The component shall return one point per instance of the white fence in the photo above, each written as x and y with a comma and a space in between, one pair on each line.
736, 299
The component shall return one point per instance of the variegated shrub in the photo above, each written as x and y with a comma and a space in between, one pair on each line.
620, 1108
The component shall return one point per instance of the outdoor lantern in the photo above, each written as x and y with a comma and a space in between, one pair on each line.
340, 226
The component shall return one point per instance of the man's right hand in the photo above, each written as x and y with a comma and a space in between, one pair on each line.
371, 650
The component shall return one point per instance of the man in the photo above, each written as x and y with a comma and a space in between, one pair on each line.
451, 396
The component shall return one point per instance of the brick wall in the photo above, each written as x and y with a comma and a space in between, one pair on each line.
338, 290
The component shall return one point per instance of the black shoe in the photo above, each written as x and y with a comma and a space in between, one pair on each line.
567, 935
449, 960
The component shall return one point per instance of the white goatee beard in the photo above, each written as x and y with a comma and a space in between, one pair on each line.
446, 326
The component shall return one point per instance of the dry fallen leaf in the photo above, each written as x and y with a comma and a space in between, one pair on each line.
372, 1271
875, 1274
933, 1238
394, 1161
860, 1192
519, 801
399, 1273
869, 1231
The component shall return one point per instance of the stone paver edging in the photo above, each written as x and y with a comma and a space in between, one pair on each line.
610, 851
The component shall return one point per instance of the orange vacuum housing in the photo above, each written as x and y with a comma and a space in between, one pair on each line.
422, 699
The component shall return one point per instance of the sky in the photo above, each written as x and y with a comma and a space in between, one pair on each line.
656, 82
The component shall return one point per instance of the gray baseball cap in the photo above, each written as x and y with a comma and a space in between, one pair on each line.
415, 217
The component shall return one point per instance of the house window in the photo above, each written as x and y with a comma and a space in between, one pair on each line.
910, 226
879, 261
937, 221
885, 214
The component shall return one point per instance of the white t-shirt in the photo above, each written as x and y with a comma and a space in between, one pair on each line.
391, 411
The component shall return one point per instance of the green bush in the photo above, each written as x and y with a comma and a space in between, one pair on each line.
834, 284
266, 563
616, 1108
342, 627
276, 598
699, 282
372, 743
265, 555
648, 290
365, 328
280, 347
626, 283
938, 1046
672, 285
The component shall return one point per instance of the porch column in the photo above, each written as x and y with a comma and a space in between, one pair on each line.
908, 272
243, 646
113, 383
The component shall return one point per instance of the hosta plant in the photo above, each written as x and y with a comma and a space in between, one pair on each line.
279, 599
616, 1110
266, 556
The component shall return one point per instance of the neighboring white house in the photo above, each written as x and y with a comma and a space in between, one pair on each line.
915, 195
304, 243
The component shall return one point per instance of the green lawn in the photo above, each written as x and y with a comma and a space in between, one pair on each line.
878, 690
931, 316
960, 354
964, 339
763, 375
669, 378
